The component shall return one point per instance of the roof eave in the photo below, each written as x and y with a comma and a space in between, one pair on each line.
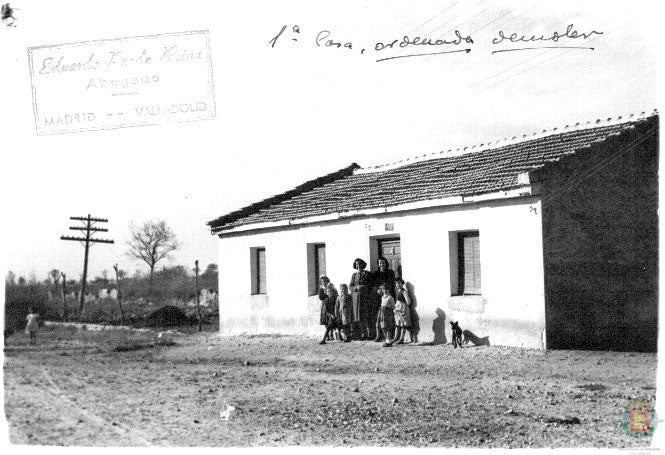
524, 190
218, 223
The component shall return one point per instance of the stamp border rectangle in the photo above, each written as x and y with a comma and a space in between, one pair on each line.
35, 108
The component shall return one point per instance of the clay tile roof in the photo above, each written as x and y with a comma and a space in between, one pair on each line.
487, 169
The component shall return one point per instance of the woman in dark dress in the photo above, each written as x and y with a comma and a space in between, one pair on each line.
359, 286
384, 276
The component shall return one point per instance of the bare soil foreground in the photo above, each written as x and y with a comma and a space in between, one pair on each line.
117, 388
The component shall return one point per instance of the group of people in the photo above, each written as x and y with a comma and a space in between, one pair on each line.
374, 305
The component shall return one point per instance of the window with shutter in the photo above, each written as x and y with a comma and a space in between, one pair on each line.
258, 270
468, 244
320, 259
261, 270
316, 266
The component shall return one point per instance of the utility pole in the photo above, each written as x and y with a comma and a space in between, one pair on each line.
118, 272
196, 289
87, 241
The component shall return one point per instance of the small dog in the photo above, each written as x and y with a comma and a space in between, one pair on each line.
477, 341
457, 334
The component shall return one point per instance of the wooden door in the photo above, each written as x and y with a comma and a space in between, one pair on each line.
392, 251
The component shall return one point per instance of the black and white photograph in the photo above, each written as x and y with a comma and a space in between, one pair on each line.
354, 225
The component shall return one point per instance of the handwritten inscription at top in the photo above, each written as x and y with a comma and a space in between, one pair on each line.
405, 41
570, 33
426, 45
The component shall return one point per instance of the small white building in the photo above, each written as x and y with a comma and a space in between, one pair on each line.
517, 240
110, 293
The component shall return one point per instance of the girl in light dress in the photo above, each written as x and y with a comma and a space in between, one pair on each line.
402, 312
406, 317
32, 325
385, 318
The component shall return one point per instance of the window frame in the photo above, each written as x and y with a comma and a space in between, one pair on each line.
314, 266
461, 263
317, 263
255, 266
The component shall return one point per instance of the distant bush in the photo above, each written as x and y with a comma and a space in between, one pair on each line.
172, 287
167, 316
169, 283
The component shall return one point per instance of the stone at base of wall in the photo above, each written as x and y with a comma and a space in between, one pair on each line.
467, 303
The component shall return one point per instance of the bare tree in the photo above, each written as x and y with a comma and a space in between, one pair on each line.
54, 274
151, 242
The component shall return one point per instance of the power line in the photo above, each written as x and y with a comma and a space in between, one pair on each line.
527, 60
487, 24
433, 17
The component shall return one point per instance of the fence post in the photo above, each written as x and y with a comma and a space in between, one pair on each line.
196, 289
65, 316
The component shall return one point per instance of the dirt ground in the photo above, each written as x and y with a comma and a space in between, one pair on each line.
88, 388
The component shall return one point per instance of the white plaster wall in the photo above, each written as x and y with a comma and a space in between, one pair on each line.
511, 310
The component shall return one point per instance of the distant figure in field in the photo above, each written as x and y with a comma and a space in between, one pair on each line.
32, 326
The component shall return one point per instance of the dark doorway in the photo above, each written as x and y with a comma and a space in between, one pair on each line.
391, 250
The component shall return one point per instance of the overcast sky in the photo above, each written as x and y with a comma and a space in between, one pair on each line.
297, 111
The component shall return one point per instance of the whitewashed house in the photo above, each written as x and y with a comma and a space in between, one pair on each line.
544, 241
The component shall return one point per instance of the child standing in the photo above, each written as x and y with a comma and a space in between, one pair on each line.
344, 312
328, 296
32, 326
404, 295
385, 318
402, 312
